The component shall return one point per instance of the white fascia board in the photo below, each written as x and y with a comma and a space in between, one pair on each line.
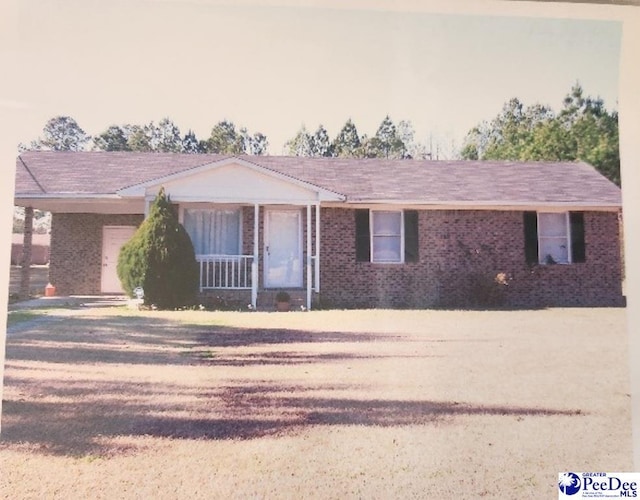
139, 190
469, 205
67, 196
75, 204
230, 200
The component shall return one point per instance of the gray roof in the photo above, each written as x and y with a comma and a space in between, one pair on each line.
359, 180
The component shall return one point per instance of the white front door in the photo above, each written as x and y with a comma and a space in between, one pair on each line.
283, 248
113, 237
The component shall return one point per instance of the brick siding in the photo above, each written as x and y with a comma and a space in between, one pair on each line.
461, 254
76, 250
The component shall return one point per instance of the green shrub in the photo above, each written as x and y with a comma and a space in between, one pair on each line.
160, 259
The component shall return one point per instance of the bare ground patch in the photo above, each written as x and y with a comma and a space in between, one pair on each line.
121, 404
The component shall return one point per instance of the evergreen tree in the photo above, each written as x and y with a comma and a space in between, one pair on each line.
258, 144
320, 143
61, 133
301, 144
190, 143
112, 139
225, 139
347, 143
582, 130
165, 137
139, 138
386, 143
160, 258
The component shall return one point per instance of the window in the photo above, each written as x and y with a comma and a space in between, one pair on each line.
386, 236
554, 237
214, 231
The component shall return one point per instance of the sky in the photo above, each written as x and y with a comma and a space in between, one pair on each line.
274, 68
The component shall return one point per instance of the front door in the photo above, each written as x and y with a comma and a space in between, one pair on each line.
283, 248
113, 237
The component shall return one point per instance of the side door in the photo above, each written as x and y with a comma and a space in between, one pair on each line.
113, 238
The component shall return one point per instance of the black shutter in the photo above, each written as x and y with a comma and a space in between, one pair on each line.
531, 237
577, 237
363, 250
411, 236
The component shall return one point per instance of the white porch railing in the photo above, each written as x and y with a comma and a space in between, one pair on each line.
232, 272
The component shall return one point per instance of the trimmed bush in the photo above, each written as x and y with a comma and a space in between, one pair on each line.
160, 259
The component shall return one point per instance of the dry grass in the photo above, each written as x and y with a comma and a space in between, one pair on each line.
344, 404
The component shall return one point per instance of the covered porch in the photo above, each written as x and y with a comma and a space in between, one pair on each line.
254, 230
259, 249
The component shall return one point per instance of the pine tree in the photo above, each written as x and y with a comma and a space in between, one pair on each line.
582, 130
301, 144
225, 139
347, 143
320, 143
112, 139
60, 133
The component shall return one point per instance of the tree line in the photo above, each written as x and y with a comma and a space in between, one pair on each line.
62, 133
582, 130
390, 141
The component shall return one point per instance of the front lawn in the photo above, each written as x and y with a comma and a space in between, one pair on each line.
111, 403
14, 317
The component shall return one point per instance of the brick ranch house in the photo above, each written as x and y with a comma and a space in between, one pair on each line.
342, 232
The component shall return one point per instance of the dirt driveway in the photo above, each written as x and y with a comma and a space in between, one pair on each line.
112, 403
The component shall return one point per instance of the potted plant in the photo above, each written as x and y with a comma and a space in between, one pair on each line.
283, 301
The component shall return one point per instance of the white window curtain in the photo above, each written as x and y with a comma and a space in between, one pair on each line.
214, 231
553, 234
386, 236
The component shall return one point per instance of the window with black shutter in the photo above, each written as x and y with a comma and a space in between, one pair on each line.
578, 253
363, 242
554, 237
411, 253
531, 237
382, 242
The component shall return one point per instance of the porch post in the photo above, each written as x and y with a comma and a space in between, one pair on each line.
25, 269
254, 262
317, 261
308, 257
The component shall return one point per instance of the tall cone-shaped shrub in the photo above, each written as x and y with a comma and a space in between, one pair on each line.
160, 259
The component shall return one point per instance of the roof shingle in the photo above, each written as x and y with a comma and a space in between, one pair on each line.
360, 180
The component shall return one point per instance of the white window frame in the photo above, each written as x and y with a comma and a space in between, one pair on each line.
208, 207
567, 238
372, 236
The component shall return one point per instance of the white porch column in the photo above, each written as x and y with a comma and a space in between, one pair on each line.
317, 261
308, 257
254, 263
